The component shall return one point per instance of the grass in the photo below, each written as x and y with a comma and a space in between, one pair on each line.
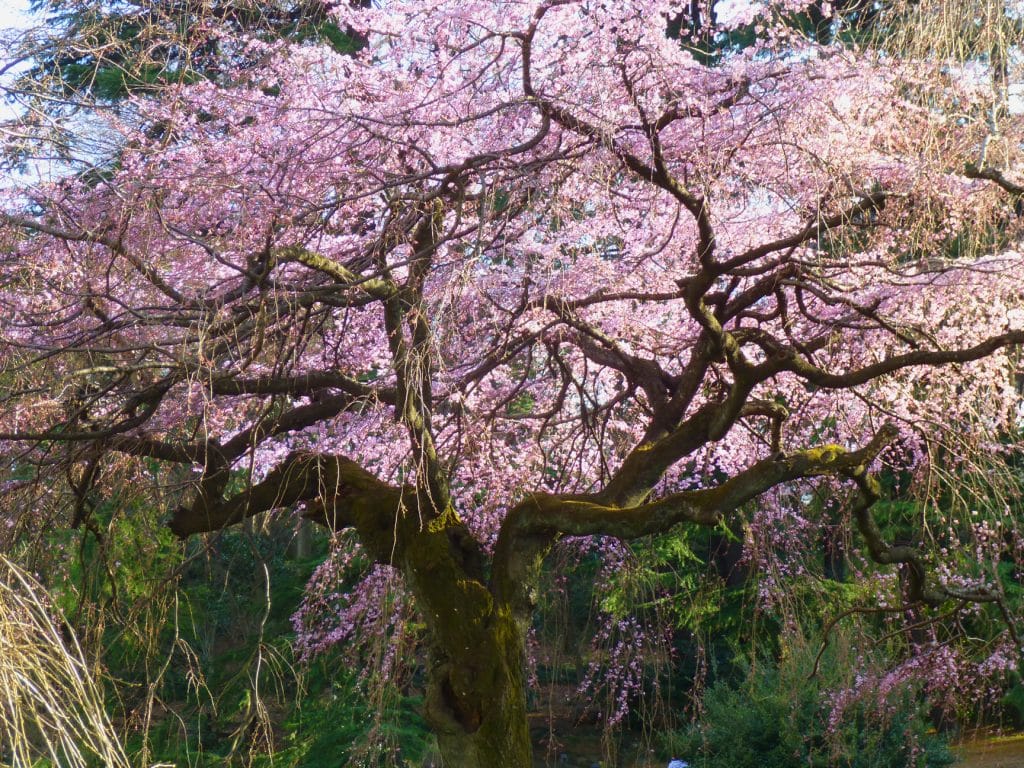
51, 709
992, 752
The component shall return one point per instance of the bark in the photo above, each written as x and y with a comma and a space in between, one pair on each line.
497, 735
476, 697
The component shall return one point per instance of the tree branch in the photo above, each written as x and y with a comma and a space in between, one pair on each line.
535, 524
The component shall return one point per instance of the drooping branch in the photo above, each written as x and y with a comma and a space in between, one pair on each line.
919, 588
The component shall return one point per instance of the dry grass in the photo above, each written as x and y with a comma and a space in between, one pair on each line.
51, 707
992, 753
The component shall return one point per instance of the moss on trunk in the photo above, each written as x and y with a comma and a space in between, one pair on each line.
490, 681
476, 699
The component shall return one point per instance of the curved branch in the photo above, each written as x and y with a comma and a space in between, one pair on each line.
994, 175
301, 477
291, 420
656, 174
301, 384
791, 361
918, 588
873, 202
534, 525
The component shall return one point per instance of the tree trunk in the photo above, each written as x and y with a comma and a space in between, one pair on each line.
501, 739
476, 678
490, 747
476, 700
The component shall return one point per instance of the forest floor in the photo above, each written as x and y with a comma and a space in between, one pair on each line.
578, 745
998, 752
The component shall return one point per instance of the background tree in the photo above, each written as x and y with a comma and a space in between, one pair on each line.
512, 275
93, 54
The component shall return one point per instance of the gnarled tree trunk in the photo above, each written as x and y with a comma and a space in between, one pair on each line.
476, 696
494, 733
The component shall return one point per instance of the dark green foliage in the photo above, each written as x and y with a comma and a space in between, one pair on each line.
109, 50
326, 731
327, 728
206, 627
319, 711
1012, 705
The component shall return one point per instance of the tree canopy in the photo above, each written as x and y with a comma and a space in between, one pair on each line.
514, 273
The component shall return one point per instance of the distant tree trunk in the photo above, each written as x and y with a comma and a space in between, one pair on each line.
726, 555
833, 553
301, 544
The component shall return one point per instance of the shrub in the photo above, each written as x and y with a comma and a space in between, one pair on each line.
779, 717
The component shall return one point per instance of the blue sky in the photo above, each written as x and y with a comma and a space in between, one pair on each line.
13, 13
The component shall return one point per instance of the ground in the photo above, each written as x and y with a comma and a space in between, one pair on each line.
1002, 752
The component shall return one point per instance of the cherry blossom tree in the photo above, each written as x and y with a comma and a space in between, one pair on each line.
514, 273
